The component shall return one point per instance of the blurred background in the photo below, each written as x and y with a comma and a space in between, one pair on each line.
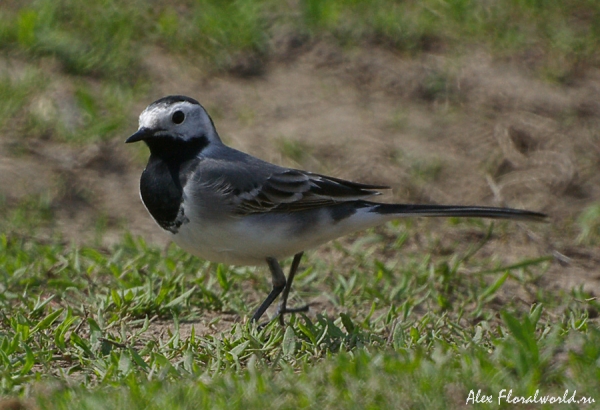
490, 102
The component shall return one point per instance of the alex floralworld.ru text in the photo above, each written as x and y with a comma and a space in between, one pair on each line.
507, 397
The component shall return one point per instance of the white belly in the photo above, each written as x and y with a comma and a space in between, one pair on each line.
251, 239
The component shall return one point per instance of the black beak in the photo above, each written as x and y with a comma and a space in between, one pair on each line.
140, 135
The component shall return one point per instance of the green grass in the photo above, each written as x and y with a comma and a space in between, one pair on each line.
361, 379
102, 47
423, 330
108, 38
99, 39
589, 223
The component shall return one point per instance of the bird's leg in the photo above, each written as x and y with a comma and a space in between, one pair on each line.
278, 280
280, 284
282, 309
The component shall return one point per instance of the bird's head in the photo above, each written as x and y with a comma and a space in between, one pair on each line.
175, 119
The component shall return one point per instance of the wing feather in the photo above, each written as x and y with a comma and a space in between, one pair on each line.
295, 190
247, 185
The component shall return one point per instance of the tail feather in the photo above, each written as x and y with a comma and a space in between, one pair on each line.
459, 211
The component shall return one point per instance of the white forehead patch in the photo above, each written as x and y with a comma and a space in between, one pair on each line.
151, 116
159, 115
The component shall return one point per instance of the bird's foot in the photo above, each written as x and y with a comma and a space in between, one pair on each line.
282, 310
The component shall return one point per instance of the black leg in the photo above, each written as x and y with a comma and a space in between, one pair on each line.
282, 309
280, 285
278, 279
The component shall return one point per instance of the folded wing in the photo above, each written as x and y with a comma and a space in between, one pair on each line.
291, 190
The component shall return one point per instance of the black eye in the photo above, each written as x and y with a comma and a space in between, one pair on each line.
178, 117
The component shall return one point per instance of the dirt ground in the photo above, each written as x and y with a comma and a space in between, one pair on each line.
464, 130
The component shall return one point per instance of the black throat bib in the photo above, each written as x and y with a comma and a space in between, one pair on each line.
161, 186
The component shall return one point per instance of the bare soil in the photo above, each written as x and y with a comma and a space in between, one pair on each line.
465, 130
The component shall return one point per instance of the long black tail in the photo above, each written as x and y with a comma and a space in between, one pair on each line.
458, 210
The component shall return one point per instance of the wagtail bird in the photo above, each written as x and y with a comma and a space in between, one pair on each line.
226, 206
